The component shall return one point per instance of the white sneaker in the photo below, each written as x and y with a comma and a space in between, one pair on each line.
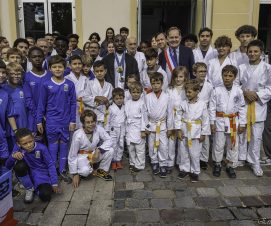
29, 195
257, 170
266, 162
240, 163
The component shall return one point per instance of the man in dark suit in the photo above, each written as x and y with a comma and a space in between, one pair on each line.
176, 54
119, 64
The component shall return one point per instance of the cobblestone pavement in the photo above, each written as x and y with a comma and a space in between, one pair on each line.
144, 199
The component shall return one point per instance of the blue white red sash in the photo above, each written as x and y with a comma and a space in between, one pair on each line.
171, 63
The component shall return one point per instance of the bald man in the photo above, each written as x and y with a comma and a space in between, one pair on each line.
131, 46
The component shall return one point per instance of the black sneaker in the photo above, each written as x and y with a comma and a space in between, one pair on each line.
135, 170
131, 167
104, 175
203, 165
194, 177
64, 176
163, 172
169, 170
231, 173
216, 170
182, 175
155, 168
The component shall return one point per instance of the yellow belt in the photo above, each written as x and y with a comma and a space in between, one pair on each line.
81, 106
106, 114
189, 129
251, 119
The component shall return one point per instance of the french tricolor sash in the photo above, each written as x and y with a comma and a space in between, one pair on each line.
171, 63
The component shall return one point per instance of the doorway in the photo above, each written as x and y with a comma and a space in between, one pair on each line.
264, 26
159, 15
38, 17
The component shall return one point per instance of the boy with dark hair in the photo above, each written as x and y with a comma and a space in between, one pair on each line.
227, 117
61, 46
23, 45
89, 145
57, 103
160, 124
190, 41
3, 73
244, 34
33, 166
73, 40
256, 85
124, 32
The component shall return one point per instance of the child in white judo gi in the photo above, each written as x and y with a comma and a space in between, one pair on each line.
90, 144
177, 94
192, 125
98, 93
256, 85
228, 119
130, 80
160, 116
206, 88
116, 127
136, 113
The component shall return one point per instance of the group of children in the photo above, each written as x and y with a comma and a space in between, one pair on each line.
84, 120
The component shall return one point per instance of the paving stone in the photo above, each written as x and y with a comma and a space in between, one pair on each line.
156, 185
74, 220
87, 185
213, 183
134, 185
243, 223
35, 207
97, 207
185, 202
143, 177
137, 203
172, 215
186, 192
204, 176
119, 204
80, 196
119, 186
157, 178
244, 213
161, 203
199, 184
148, 215
209, 202
142, 194
220, 214
229, 191
201, 215
264, 212
249, 191
265, 190
51, 216
124, 178
21, 216
233, 201
220, 223
78, 207
266, 199
124, 217
176, 185
163, 194
66, 193
207, 192
245, 175
235, 182
123, 194
34, 218
251, 201
252, 182
103, 190
193, 223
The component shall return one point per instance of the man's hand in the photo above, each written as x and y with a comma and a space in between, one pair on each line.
18, 155
76, 180
143, 134
180, 134
147, 132
250, 96
169, 133
40, 128
213, 128
202, 138
56, 189
72, 127
241, 129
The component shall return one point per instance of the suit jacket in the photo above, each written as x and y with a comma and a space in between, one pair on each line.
130, 68
186, 58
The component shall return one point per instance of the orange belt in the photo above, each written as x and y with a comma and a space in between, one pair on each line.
232, 124
88, 152
81, 106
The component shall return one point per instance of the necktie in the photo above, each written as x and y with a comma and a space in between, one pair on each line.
175, 56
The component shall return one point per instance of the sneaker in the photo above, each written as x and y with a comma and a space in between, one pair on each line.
257, 170
266, 162
203, 165
113, 165
155, 168
194, 177
163, 172
216, 170
29, 195
240, 163
231, 173
182, 175
119, 165
169, 169
131, 167
135, 170
64, 176
104, 175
